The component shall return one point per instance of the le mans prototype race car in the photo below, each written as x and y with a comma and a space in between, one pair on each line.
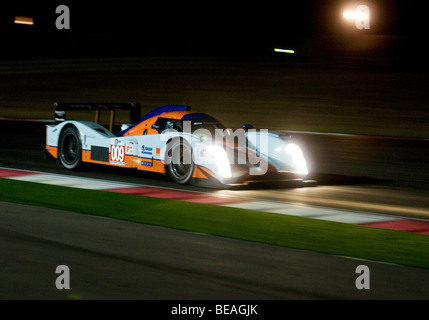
190, 147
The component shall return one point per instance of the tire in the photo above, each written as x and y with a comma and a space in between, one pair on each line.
70, 148
180, 165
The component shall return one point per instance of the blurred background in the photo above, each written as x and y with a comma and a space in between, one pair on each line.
220, 57
312, 28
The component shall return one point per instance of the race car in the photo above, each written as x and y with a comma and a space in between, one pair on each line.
190, 147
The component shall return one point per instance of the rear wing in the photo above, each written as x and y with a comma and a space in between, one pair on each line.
62, 107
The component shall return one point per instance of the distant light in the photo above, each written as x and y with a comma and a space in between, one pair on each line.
360, 16
284, 50
24, 20
355, 15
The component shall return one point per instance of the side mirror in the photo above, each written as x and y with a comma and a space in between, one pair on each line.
125, 126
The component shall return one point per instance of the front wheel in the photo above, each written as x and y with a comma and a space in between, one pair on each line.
180, 166
70, 148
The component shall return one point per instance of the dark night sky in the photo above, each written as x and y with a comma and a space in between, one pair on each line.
295, 17
148, 26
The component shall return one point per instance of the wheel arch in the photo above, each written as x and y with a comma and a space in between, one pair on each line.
167, 160
64, 127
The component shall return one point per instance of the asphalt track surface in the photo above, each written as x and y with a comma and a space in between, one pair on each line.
116, 260
111, 259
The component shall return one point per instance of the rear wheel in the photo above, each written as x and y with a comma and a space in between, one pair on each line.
181, 165
70, 148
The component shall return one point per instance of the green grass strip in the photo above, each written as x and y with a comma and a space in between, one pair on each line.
391, 246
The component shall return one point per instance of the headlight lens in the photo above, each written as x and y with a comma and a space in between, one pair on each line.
218, 154
297, 158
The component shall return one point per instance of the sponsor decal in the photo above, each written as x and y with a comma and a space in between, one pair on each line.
129, 149
147, 163
146, 150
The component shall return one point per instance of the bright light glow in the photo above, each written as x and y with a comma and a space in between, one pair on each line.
24, 20
218, 154
360, 16
355, 15
284, 50
297, 158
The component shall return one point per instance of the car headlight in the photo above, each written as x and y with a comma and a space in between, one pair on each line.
220, 159
297, 158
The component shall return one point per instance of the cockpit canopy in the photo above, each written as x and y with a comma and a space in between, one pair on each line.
189, 123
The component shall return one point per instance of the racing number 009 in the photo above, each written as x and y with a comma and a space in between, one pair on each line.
117, 153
